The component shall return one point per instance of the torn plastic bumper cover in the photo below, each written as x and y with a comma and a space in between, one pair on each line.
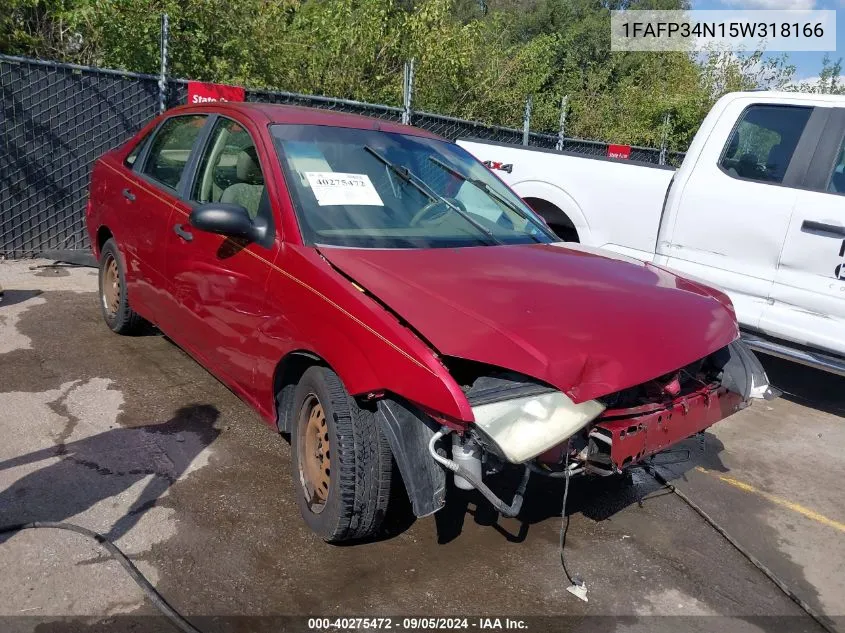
743, 374
409, 430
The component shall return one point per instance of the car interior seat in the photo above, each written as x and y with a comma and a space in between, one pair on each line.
249, 189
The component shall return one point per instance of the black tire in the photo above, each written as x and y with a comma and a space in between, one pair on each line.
118, 314
360, 460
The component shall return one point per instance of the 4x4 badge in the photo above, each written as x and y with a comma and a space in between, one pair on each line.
492, 164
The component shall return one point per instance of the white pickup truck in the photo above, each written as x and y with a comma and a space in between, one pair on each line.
757, 208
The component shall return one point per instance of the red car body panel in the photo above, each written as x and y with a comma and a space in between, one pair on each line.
242, 309
547, 311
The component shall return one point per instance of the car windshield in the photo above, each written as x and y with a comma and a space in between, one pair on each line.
373, 189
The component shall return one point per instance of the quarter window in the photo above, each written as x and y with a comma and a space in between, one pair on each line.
229, 170
171, 149
762, 144
136, 151
836, 182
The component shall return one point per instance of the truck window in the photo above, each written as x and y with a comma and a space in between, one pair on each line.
761, 145
836, 182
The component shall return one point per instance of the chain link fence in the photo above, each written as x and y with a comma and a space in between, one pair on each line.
58, 118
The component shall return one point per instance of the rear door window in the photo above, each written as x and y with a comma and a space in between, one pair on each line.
171, 149
762, 144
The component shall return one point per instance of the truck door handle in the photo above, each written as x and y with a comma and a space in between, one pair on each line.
821, 228
129, 195
185, 235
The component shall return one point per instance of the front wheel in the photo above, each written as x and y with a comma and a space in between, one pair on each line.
341, 460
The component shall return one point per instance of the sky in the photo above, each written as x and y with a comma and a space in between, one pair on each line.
808, 64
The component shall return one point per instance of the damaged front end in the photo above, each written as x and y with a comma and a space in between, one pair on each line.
520, 421
650, 418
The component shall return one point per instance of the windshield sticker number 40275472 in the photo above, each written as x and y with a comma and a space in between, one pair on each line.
338, 189
339, 182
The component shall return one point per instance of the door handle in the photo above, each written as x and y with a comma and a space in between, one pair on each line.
129, 195
821, 228
185, 235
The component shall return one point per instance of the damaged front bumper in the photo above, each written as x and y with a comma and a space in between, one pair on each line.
619, 439
525, 423
540, 425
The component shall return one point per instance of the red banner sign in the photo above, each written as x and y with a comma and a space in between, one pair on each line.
619, 151
199, 92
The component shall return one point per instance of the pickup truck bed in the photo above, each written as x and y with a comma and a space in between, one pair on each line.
609, 202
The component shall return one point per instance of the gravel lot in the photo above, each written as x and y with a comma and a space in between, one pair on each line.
130, 437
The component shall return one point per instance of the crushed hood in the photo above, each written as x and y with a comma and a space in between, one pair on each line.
587, 324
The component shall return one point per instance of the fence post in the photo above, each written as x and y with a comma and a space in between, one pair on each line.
162, 77
526, 120
561, 131
408, 91
664, 141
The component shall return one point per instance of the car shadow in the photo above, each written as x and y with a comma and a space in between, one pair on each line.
806, 386
12, 297
82, 473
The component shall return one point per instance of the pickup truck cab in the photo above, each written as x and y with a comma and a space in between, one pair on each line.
756, 208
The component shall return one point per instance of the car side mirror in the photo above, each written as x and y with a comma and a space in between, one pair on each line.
232, 220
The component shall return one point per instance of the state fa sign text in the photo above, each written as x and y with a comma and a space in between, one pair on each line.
199, 92
619, 151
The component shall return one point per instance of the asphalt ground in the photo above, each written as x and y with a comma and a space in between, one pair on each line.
130, 437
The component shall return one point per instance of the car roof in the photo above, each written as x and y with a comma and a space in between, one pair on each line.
275, 113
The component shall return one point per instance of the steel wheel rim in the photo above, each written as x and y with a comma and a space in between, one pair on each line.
314, 454
111, 286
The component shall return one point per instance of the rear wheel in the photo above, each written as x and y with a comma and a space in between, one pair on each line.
114, 302
341, 460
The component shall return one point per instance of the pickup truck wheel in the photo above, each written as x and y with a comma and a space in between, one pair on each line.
341, 460
118, 314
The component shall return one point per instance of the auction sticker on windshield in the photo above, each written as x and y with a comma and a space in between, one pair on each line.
332, 188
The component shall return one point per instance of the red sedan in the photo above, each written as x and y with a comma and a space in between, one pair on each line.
377, 293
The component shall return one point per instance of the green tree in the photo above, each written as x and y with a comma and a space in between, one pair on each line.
829, 80
475, 59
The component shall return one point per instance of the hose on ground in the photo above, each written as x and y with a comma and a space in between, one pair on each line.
155, 597
820, 619
506, 510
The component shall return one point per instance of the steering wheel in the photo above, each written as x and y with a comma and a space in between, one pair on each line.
435, 212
